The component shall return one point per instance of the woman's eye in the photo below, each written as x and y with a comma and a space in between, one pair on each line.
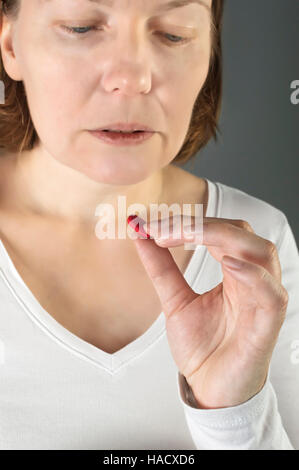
83, 30
79, 30
175, 39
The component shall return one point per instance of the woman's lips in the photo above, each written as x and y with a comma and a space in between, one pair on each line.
122, 138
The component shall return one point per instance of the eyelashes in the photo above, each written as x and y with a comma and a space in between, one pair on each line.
177, 39
83, 31
79, 30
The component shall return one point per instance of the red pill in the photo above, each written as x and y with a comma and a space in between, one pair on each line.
137, 224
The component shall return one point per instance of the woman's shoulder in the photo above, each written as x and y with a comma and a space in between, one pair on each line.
265, 218
236, 200
227, 201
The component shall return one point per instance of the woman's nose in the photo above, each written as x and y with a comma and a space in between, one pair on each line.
127, 78
128, 68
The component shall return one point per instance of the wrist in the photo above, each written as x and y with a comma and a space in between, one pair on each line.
220, 399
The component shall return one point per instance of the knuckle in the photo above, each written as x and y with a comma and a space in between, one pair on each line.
270, 249
245, 225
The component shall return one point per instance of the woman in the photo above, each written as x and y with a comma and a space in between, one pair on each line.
131, 342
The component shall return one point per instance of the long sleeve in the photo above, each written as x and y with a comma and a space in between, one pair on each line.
270, 419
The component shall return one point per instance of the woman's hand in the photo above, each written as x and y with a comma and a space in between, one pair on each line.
222, 341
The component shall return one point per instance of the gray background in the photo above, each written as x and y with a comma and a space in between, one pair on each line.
257, 148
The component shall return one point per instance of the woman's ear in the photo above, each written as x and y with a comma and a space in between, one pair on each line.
9, 59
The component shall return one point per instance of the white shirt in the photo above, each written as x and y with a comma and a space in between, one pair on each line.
58, 391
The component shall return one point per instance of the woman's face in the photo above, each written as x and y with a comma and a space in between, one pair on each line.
137, 63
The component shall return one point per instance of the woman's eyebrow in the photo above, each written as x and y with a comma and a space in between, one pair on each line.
164, 7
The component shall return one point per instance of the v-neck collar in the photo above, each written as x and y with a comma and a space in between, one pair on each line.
110, 362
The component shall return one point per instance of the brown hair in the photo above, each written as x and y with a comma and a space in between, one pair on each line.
17, 132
